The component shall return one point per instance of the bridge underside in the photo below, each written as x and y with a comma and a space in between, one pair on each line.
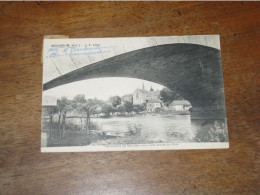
193, 71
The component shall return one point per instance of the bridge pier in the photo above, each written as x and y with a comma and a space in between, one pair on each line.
207, 113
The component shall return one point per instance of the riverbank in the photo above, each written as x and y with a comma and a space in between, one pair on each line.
70, 138
163, 113
96, 137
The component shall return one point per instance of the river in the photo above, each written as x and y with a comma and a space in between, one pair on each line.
151, 128
140, 129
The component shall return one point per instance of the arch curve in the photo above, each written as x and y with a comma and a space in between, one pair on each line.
193, 71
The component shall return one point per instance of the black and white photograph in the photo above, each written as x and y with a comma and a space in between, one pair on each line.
133, 93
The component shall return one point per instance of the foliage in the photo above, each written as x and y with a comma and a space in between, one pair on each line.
134, 130
64, 105
106, 109
95, 106
121, 109
115, 101
113, 110
135, 109
90, 106
167, 96
78, 103
79, 99
142, 108
138, 108
128, 106
215, 132
50, 111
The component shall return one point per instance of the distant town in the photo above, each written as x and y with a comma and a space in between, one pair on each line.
63, 117
140, 101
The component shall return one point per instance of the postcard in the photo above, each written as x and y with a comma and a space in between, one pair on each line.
133, 93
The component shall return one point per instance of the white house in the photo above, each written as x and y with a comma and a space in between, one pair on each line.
180, 105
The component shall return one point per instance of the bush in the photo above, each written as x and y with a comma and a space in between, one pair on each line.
215, 132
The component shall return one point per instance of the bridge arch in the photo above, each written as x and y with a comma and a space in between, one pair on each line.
193, 71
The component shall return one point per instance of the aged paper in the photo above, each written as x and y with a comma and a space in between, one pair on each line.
133, 93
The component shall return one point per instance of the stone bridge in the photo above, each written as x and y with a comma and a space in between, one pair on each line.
194, 71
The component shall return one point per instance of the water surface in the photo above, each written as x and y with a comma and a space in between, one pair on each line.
153, 128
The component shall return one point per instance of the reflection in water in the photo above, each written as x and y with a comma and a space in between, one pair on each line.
151, 128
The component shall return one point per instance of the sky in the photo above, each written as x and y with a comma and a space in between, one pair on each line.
101, 88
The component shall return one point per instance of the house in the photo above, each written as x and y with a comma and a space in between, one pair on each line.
142, 96
153, 95
153, 104
139, 96
180, 105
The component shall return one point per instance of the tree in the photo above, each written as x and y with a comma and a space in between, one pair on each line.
87, 108
128, 107
113, 110
121, 109
50, 111
64, 106
136, 109
95, 106
167, 96
115, 101
80, 98
98, 110
78, 104
107, 109
141, 108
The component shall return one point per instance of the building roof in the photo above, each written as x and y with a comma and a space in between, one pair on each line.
180, 102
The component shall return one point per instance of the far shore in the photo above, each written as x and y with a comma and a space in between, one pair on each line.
164, 113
